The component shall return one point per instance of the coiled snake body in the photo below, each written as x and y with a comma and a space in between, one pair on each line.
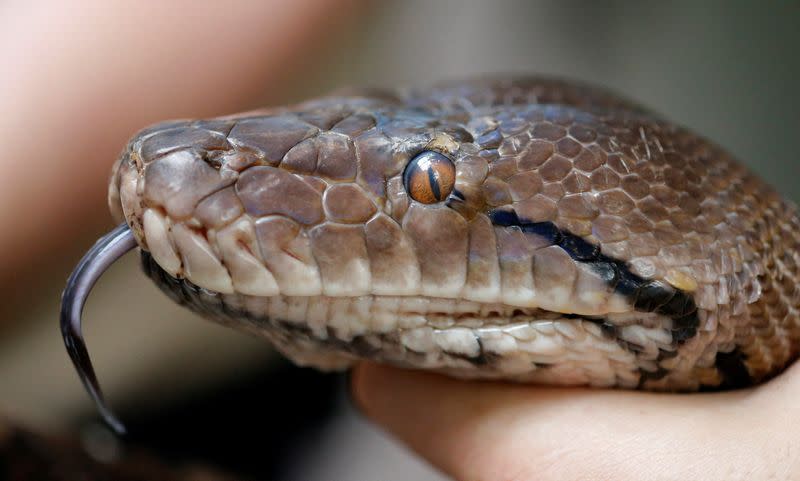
525, 229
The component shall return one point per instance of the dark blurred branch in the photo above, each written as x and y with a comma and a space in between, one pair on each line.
29, 456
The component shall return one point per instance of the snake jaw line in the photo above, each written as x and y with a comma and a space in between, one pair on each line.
105, 252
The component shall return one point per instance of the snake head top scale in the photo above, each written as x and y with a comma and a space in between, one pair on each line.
524, 229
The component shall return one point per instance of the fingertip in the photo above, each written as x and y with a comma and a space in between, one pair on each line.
354, 386
369, 384
442, 419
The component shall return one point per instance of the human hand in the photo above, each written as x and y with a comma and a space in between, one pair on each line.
477, 431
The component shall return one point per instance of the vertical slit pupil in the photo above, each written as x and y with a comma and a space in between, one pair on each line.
433, 180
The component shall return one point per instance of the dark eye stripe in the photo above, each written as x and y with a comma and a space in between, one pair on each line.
645, 295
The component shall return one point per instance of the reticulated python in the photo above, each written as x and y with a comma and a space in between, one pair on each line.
523, 229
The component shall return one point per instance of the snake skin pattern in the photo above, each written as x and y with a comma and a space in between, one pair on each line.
586, 241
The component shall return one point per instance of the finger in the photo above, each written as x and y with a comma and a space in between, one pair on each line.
479, 430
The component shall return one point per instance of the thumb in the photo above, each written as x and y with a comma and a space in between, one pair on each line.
484, 430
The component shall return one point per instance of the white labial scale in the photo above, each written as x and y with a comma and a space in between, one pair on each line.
546, 328
600, 374
618, 303
465, 307
435, 359
156, 231
440, 239
471, 322
297, 308
647, 366
570, 373
646, 319
238, 248
591, 292
544, 349
457, 340
516, 254
554, 274
200, 265
287, 254
515, 365
130, 198
409, 321
585, 354
649, 338
373, 341
419, 340
394, 268
338, 310
601, 349
415, 304
341, 254
439, 305
609, 348
709, 320
496, 340
483, 266
571, 330
257, 306
235, 302
344, 321
317, 315
360, 309
384, 314
278, 308
441, 321
522, 332
412, 312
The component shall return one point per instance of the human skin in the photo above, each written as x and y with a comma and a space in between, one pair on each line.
79, 78
482, 431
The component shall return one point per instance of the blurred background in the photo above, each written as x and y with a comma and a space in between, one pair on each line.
79, 79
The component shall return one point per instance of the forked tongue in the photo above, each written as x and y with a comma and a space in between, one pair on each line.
105, 252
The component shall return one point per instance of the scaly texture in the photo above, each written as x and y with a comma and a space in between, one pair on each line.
586, 241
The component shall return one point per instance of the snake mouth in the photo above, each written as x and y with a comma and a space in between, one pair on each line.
398, 328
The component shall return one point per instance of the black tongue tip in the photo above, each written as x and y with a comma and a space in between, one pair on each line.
76, 347
104, 253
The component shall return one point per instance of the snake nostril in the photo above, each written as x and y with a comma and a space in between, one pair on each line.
214, 158
171, 138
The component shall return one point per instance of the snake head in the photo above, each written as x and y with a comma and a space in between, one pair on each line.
266, 204
529, 230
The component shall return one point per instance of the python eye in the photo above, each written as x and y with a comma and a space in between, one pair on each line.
429, 177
